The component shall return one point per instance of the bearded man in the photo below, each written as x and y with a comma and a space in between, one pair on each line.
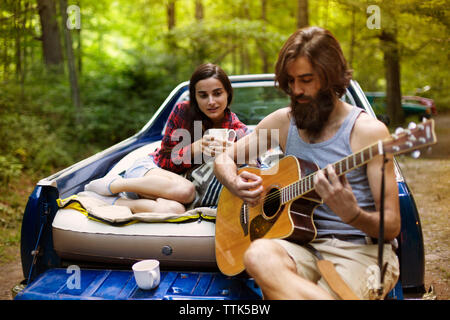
321, 128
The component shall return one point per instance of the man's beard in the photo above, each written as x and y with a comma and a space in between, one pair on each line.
312, 115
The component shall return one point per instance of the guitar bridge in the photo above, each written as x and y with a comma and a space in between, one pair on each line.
244, 218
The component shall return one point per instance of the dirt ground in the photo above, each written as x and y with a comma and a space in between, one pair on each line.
429, 180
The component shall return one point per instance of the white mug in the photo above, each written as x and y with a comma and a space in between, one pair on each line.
223, 134
147, 274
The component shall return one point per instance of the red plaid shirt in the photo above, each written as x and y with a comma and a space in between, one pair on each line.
177, 158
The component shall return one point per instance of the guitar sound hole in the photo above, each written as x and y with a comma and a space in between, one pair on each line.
272, 203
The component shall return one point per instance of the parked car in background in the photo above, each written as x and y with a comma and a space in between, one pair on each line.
59, 243
415, 103
411, 105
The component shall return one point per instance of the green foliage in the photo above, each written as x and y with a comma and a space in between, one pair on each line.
29, 136
130, 61
220, 41
9, 168
39, 130
119, 103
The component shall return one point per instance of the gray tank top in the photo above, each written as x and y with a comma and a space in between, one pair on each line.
324, 153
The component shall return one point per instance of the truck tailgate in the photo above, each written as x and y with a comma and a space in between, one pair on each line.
93, 284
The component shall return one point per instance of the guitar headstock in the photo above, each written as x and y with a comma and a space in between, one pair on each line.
415, 137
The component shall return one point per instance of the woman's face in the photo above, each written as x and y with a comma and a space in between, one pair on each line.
212, 99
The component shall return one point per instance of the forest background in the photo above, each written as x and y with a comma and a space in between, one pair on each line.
79, 76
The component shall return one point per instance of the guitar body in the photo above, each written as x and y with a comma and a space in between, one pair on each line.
238, 224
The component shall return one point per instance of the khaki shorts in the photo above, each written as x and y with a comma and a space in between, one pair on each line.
357, 264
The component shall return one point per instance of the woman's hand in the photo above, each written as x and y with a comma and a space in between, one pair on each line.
213, 146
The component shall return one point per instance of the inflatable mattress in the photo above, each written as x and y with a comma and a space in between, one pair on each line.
185, 244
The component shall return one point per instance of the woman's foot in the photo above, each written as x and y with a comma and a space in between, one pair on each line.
102, 186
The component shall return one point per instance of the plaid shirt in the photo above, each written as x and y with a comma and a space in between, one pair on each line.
175, 155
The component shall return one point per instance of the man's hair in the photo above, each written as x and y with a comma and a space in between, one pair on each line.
325, 55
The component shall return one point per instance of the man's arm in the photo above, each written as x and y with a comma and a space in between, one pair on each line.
369, 223
338, 195
247, 185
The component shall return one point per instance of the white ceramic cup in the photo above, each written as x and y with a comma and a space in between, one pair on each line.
147, 274
223, 134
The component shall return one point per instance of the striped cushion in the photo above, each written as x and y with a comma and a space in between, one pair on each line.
207, 186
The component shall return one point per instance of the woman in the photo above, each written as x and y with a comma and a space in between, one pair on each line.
154, 183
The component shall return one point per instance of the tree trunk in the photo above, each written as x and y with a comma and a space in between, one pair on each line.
79, 49
325, 22
352, 38
199, 46
51, 43
4, 30
73, 78
171, 40
79, 53
25, 45
245, 61
262, 49
199, 11
171, 22
17, 40
171, 14
234, 56
244, 53
302, 14
392, 70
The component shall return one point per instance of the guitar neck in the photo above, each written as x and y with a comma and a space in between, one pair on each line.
299, 188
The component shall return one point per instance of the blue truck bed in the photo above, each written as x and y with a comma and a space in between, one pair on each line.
60, 284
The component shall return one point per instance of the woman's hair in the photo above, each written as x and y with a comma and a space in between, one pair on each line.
325, 55
206, 71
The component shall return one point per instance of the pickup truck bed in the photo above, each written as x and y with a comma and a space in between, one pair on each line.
62, 284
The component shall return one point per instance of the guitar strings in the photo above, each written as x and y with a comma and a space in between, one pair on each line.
274, 196
372, 152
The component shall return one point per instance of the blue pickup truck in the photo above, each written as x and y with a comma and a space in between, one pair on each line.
68, 256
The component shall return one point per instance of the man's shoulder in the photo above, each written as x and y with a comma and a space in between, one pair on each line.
278, 118
369, 129
282, 113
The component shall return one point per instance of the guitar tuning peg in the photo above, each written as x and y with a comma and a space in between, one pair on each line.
415, 154
412, 125
399, 130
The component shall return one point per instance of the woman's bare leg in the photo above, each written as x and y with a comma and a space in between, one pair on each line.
157, 183
147, 205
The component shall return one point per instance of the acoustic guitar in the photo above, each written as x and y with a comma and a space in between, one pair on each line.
289, 199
